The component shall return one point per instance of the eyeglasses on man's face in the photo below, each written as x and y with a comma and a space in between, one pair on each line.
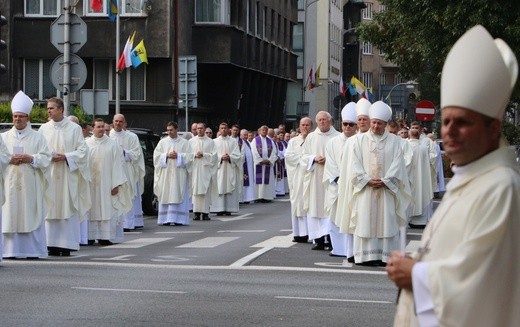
349, 124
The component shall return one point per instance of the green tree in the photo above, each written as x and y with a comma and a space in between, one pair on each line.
418, 34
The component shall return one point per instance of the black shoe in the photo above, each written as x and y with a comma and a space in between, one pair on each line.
33, 258
227, 213
105, 242
221, 213
318, 247
246, 202
205, 216
177, 224
65, 253
54, 253
166, 224
91, 242
197, 216
126, 230
417, 226
337, 255
350, 259
301, 239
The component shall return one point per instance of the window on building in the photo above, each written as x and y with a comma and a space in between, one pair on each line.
37, 82
367, 12
128, 8
381, 52
382, 8
398, 79
367, 48
258, 26
297, 43
367, 79
42, 7
132, 81
212, 11
301, 4
382, 79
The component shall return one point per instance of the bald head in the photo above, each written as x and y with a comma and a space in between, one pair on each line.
118, 122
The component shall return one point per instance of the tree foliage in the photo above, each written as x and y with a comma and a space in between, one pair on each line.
418, 34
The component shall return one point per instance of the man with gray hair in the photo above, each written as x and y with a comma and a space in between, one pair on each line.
313, 159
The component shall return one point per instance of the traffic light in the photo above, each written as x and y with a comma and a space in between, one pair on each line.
3, 45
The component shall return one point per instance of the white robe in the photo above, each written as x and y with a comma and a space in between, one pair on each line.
226, 183
261, 152
420, 184
133, 163
469, 275
373, 216
107, 212
313, 188
202, 171
342, 243
295, 173
26, 188
172, 180
69, 181
441, 187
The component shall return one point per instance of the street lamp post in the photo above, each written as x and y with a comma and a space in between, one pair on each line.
305, 50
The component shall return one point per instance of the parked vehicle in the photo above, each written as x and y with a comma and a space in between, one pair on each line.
148, 140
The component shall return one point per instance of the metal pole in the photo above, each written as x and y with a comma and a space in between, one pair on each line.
118, 50
66, 58
186, 92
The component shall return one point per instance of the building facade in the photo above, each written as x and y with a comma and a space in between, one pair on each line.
243, 52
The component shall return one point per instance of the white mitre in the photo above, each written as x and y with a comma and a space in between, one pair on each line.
362, 107
348, 113
380, 110
479, 74
21, 103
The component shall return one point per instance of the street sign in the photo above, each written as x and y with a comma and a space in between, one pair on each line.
425, 110
78, 73
77, 34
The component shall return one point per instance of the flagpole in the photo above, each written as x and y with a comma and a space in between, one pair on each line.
118, 50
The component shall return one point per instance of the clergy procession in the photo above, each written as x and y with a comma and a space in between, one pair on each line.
352, 192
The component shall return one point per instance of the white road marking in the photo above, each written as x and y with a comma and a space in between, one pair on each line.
414, 234
138, 243
125, 290
286, 230
182, 232
170, 266
118, 258
208, 242
242, 231
241, 217
334, 300
248, 258
276, 242
282, 200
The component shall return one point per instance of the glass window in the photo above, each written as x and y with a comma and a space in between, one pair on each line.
37, 82
367, 12
212, 11
367, 79
298, 37
42, 7
132, 81
367, 48
128, 8
382, 79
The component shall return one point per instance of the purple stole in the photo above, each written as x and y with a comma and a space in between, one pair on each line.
258, 169
244, 167
280, 164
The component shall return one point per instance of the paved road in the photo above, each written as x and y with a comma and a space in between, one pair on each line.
242, 270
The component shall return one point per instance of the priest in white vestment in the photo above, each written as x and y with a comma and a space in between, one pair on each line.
25, 185
5, 157
109, 191
295, 173
133, 164
420, 182
203, 169
376, 191
248, 185
226, 181
342, 243
281, 173
363, 120
264, 156
440, 186
172, 160
313, 159
465, 272
69, 173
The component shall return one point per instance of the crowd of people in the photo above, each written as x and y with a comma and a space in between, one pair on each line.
353, 192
